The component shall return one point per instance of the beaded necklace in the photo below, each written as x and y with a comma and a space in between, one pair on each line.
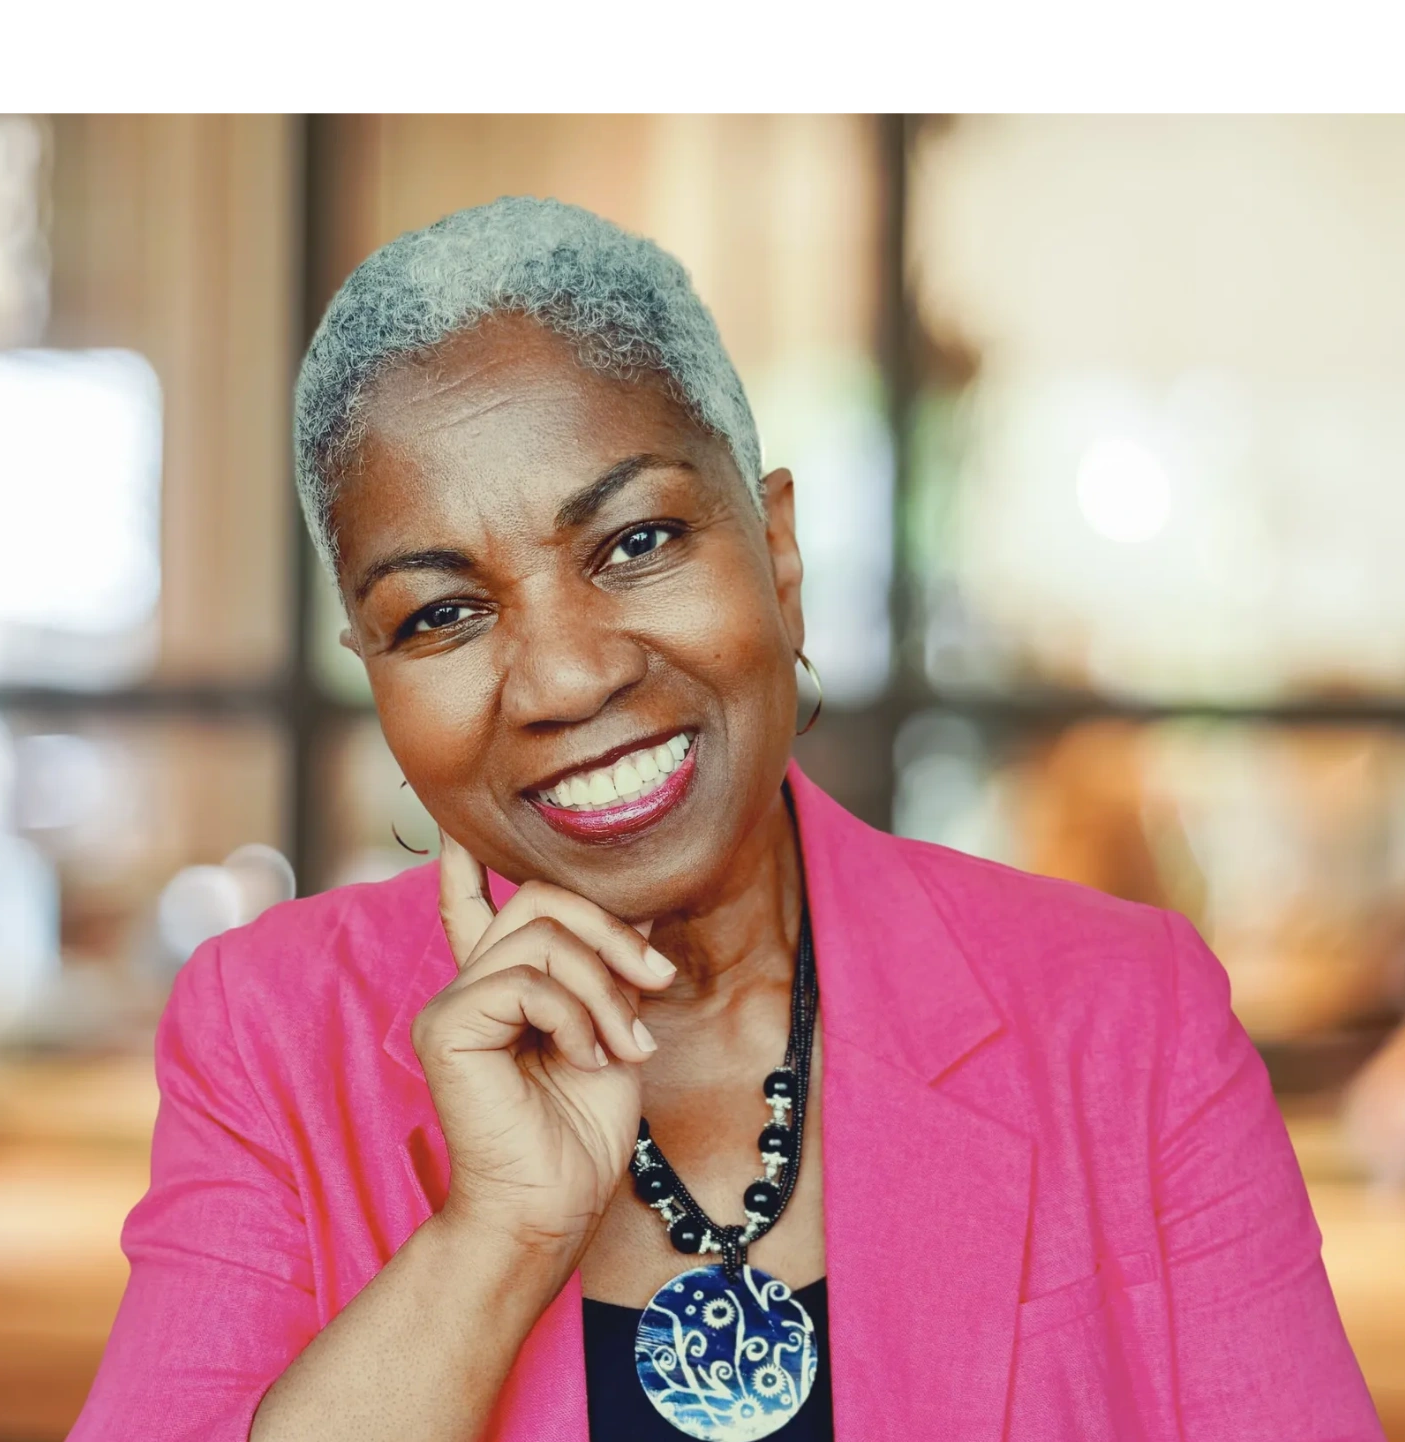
724, 1351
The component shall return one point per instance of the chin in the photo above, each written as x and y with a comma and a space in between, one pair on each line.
673, 867
636, 885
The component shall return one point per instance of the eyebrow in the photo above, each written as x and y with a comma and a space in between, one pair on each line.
574, 511
444, 561
583, 505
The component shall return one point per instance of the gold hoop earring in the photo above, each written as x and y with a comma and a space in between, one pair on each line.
814, 676
413, 850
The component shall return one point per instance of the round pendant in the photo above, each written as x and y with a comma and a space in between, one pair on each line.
726, 1361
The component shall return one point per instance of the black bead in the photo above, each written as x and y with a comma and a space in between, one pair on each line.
686, 1234
775, 1141
652, 1186
781, 1083
763, 1199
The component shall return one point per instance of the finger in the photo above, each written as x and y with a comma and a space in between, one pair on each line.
465, 906
546, 944
498, 1009
644, 928
621, 946
630, 990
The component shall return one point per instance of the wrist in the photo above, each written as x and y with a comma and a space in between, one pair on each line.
499, 1264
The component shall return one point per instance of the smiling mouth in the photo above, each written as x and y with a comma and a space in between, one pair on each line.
610, 802
629, 779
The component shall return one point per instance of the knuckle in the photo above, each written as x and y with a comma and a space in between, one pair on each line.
423, 1032
619, 1004
524, 978
548, 930
622, 935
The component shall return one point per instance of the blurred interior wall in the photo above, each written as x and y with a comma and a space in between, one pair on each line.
772, 214
176, 236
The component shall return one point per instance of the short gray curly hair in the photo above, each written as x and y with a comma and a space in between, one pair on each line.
627, 304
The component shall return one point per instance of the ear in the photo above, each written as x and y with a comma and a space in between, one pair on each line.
786, 566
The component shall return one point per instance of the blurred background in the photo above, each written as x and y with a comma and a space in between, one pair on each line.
1099, 448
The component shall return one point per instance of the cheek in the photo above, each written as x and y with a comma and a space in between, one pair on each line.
728, 623
433, 714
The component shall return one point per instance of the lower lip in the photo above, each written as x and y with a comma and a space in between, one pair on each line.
629, 817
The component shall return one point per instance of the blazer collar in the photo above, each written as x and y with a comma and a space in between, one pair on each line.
894, 979
926, 1197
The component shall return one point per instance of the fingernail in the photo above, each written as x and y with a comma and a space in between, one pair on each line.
641, 1035
658, 963
600, 1057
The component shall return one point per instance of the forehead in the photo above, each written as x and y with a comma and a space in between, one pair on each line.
510, 406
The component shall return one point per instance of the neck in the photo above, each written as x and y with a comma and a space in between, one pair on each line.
747, 934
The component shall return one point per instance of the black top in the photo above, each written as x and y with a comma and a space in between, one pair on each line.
619, 1408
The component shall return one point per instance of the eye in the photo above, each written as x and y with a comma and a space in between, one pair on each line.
441, 616
639, 542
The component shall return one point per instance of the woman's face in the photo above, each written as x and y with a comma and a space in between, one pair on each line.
545, 570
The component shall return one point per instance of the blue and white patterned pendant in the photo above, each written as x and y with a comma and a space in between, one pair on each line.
726, 1361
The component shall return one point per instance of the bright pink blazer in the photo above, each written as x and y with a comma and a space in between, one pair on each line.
1060, 1201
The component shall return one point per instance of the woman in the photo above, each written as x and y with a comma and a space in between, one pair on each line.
1023, 1179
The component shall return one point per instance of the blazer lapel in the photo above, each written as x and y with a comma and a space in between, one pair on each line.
926, 1199
925, 1213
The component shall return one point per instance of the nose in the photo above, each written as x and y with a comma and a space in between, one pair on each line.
567, 657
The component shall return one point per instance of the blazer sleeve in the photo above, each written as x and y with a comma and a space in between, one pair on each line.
1259, 1349
221, 1293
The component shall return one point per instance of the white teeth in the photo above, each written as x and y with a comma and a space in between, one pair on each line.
628, 779
628, 782
602, 789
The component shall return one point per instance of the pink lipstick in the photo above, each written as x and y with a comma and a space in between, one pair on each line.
612, 823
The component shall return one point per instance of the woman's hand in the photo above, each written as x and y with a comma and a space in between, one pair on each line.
532, 1054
